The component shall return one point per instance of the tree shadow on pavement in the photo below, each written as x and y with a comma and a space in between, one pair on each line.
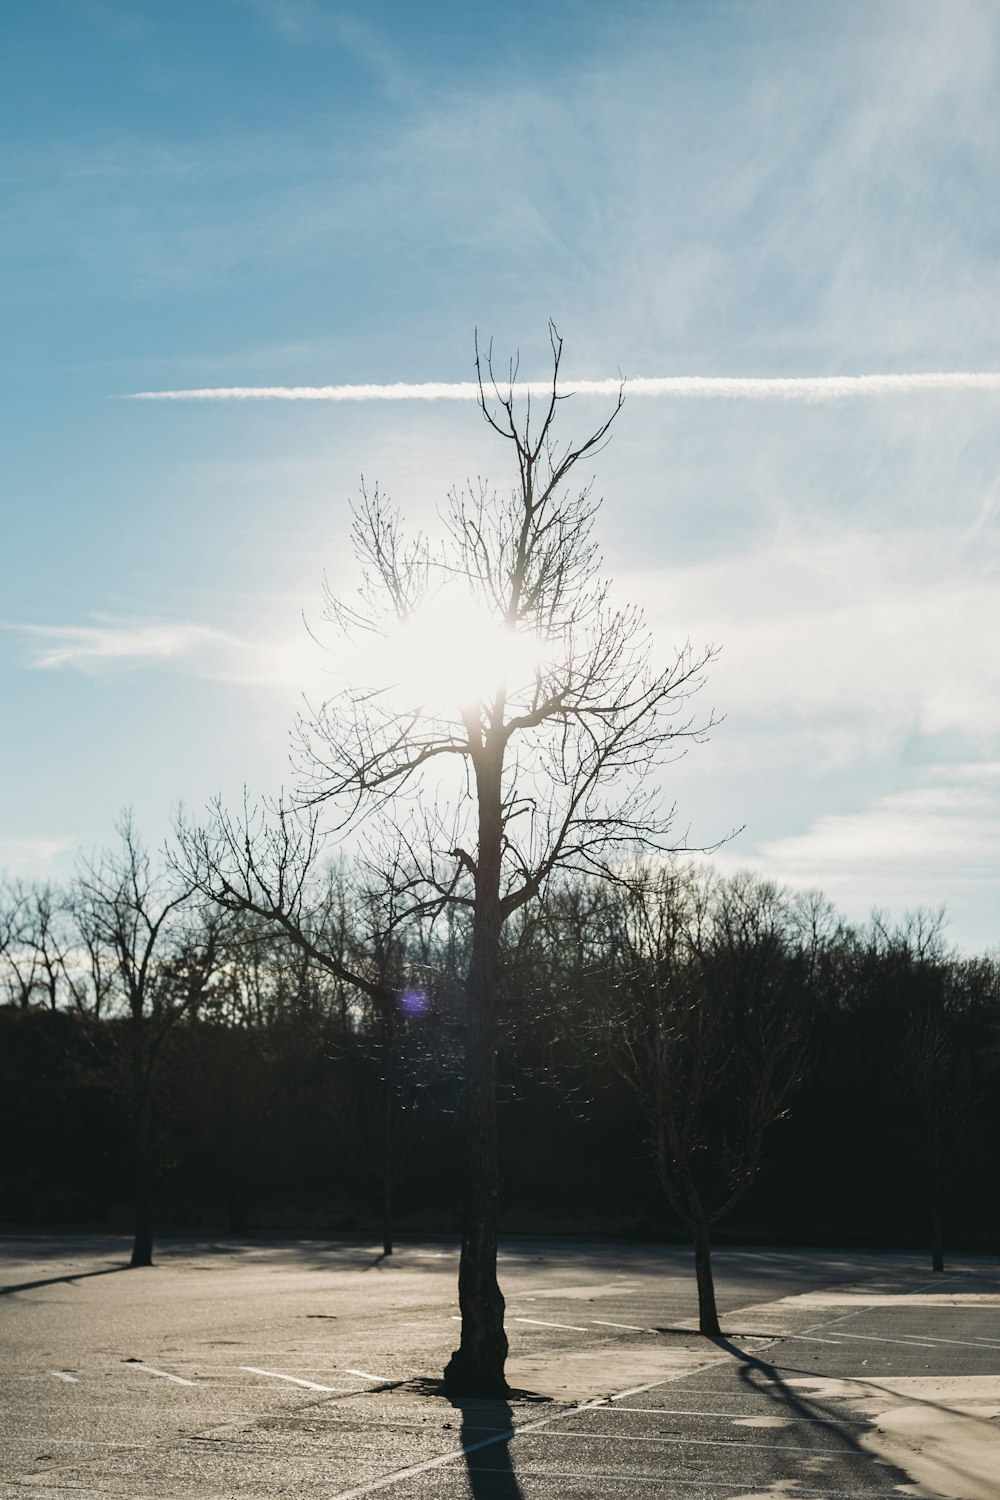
486, 1452
487, 1426
30, 1286
763, 1378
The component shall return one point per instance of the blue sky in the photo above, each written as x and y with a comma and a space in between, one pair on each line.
294, 192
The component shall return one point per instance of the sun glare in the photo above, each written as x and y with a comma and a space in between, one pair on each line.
453, 654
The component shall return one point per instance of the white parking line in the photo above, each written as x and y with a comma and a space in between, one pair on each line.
61, 1375
734, 1416
675, 1442
541, 1323
137, 1364
367, 1375
633, 1327
871, 1338
935, 1339
310, 1385
702, 1484
627, 1287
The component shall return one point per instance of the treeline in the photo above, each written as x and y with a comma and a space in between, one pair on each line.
682, 1054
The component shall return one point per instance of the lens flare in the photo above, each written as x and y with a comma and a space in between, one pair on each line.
413, 1002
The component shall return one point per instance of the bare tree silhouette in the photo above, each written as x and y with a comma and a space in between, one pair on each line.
164, 955
475, 795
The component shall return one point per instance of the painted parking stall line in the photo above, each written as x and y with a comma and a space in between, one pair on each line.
542, 1323
733, 1416
367, 1375
62, 1375
936, 1339
137, 1364
311, 1385
871, 1338
632, 1327
683, 1442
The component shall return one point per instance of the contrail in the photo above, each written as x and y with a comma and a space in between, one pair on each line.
734, 387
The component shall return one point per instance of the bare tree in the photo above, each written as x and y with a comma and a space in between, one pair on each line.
50, 948
267, 865
554, 743
19, 954
164, 956
701, 1021
921, 982
88, 966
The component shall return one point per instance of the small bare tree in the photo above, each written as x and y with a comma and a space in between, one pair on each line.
555, 738
920, 982
164, 955
702, 1024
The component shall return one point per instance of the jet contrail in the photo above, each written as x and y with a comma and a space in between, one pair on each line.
739, 387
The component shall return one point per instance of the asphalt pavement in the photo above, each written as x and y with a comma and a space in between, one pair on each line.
309, 1369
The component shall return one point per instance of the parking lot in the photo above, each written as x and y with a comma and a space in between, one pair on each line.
309, 1369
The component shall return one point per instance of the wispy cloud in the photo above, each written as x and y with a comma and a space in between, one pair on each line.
739, 387
904, 832
33, 857
185, 646
125, 643
935, 842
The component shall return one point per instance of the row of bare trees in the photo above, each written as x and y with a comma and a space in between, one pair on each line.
712, 1000
125, 940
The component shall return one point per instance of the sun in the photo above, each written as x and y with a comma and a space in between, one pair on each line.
450, 653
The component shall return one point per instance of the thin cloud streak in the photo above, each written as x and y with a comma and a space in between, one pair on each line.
34, 857
733, 387
197, 650
117, 643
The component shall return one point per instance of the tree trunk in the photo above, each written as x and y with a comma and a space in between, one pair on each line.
688, 1202
142, 1242
708, 1317
477, 1366
387, 1174
239, 1210
937, 1227
937, 1239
